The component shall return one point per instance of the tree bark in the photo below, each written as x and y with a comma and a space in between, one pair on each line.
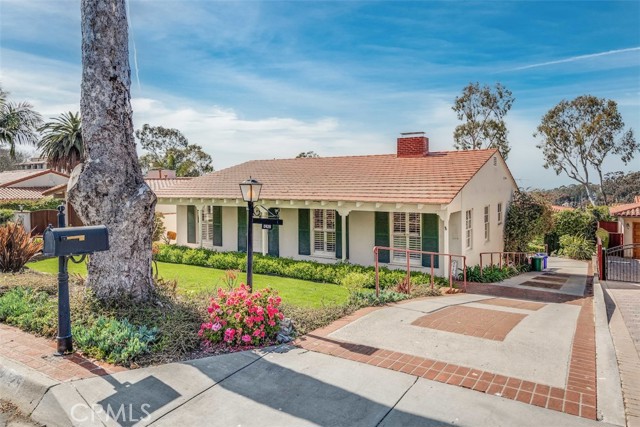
109, 187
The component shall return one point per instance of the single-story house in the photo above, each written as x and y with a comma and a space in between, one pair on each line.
158, 179
339, 208
28, 184
629, 224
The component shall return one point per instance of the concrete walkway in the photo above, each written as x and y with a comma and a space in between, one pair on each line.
623, 310
471, 360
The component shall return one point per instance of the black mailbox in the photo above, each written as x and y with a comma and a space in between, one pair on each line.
75, 240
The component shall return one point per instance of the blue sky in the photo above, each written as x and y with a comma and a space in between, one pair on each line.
250, 80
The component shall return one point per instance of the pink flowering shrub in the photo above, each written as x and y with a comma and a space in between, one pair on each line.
238, 317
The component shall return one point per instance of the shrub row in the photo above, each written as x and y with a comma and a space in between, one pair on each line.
494, 273
31, 205
287, 267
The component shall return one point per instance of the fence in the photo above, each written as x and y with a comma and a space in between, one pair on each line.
453, 265
506, 258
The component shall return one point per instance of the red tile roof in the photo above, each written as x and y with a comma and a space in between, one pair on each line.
629, 209
161, 183
435, 178
31, 193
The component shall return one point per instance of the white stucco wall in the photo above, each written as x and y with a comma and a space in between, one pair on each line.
46, 180
169, 220
361, 237
181, 225
490, 186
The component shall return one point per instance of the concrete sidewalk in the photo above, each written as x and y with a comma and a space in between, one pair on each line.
281, 386
525, 356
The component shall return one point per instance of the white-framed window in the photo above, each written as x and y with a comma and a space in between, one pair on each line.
206, 224
468, 228
324, 232
487, 225
500, 213
406, 234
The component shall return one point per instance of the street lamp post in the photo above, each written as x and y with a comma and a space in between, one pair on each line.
250, 193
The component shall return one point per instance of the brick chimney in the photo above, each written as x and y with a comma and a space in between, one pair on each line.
413, 144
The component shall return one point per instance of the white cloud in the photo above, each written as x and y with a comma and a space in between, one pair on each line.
591, 56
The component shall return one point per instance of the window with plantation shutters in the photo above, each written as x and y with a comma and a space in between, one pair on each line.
324, 232
406, 235
468, 227
211, 225
206, 220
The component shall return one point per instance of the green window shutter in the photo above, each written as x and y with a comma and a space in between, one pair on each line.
191, 224
430, 234
304, 232
242, 229
339, 234
274, 241
217, 225
382, 234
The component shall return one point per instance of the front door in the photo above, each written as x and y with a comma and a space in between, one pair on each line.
636, 240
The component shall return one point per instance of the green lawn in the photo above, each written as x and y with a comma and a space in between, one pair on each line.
193, 278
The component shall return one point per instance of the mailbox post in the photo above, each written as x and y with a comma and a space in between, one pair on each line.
64, 243
65, 344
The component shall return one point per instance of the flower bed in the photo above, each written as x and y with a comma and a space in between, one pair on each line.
238, 317
287, 267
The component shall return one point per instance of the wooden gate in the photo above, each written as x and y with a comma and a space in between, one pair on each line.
41, 220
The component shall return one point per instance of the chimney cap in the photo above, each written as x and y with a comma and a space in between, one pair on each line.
412, 133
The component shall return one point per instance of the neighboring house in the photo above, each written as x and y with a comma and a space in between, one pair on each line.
339, 208
167, 210
29, 184
40, 163
629, 224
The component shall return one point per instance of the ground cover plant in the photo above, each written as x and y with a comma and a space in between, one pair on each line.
494, 273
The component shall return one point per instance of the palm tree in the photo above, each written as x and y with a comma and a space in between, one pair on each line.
18, 123
61, 141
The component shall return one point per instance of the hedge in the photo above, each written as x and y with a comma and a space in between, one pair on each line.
287, 267
31, 205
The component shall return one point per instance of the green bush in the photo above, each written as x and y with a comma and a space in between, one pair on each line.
604, 237
31, 205
287, 267
113, 340
576, 247
6, 215
494, 273
355, 281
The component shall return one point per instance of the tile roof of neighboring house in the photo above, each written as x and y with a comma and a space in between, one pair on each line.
31, 193
557, 208
628, 209
161, 183
155, 184
435, 178
10, 178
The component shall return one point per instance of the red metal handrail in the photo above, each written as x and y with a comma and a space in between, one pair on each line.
513, 255
407, 252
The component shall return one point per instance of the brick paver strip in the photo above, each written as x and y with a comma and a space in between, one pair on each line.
37, 353
512, 303
541, 285
577, 398
471, 321
553, 279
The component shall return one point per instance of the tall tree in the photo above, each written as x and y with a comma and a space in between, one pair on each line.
169, 149
578, 135
483, 110
9, 162
109, 188
19, 123
61, 141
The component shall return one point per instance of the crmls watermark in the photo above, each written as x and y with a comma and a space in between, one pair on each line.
123, 413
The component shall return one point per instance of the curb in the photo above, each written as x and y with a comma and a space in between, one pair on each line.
23, 386
610, 403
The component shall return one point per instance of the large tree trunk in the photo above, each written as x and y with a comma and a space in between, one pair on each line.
109, 188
